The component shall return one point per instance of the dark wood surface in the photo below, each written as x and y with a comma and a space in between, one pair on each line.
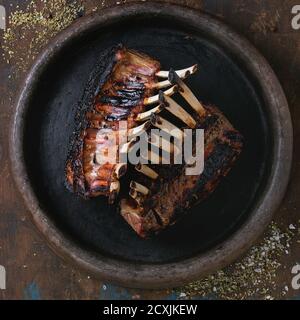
33, 271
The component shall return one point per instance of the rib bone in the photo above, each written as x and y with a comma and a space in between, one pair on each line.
166, 126
147, 171
120, 170
137, 197
154, 158
160, 85
155, 99
147, 115
139, 188
174, 108
181, 73
165, 145
115, 186
187, 94
138, 130
114, 191
125, 148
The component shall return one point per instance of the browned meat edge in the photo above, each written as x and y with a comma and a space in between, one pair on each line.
176, 192
99, 76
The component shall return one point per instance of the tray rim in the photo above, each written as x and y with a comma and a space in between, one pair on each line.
146, 275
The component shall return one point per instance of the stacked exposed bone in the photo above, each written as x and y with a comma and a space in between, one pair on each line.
125, 94
157, 194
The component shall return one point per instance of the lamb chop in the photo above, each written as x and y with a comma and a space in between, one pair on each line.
121, 88
157, 195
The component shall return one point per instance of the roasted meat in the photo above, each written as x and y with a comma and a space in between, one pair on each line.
160, 196
120, 89
125, 86
126, 81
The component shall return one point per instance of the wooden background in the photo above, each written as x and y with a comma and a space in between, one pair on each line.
33, 271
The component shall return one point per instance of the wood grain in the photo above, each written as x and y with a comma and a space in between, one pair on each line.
33, 271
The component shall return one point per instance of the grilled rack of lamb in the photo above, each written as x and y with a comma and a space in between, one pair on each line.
128, 86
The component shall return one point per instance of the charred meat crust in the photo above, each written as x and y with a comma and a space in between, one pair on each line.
74, 174
175, 192
116, 91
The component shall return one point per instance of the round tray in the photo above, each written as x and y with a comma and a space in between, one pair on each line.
233, 76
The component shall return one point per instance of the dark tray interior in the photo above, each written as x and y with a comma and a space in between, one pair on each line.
93, 224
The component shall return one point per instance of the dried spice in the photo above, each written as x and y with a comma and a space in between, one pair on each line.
252, 277
265, 22
30, 30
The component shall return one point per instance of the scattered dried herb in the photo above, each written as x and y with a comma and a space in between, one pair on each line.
265, 22
31, 29
252, 277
